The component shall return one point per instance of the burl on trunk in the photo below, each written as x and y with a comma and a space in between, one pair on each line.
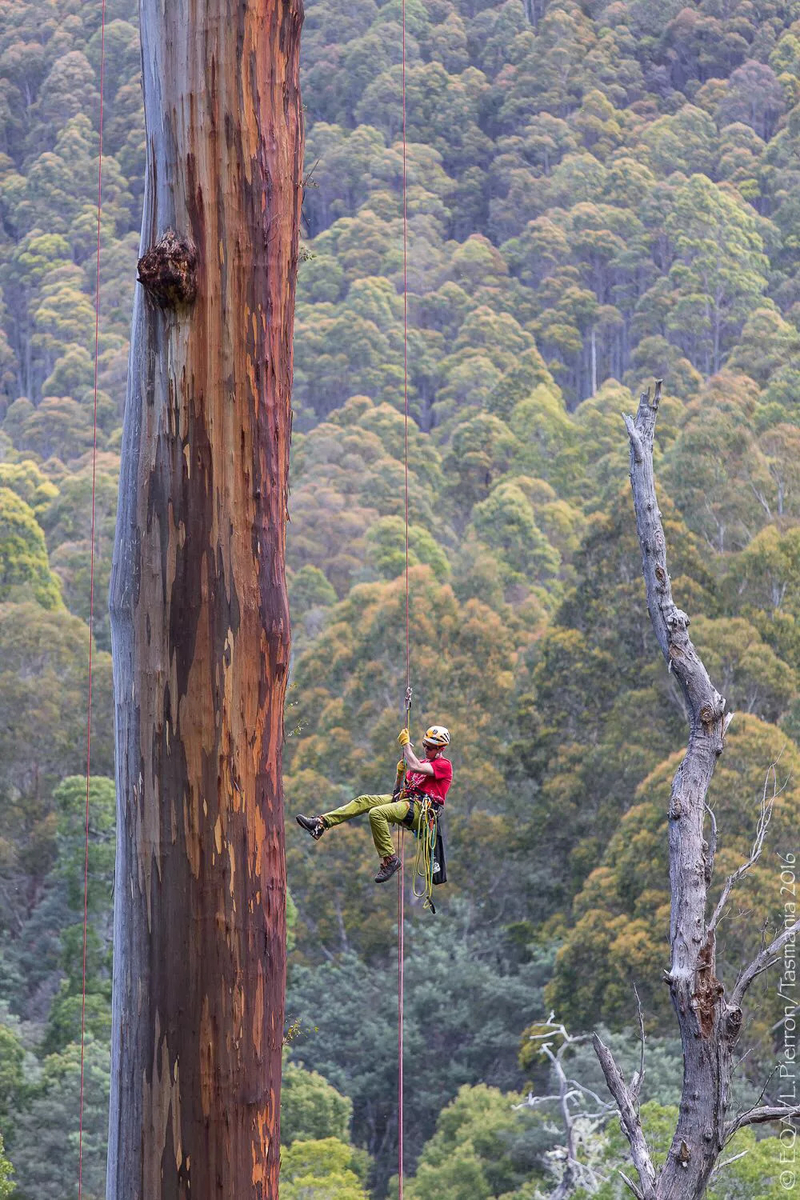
199, 613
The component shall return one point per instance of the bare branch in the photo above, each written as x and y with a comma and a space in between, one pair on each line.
629, 1119
711, 853
636, 441
639, 1195
588, 1092
740, 1060
636, 1082
764, 817
732, 1124
761, 1116
762, 962
577, 1121
727, 1162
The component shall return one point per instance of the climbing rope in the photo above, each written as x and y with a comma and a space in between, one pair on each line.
424, 858
400, 835
400, 1005
405, 360
91, 598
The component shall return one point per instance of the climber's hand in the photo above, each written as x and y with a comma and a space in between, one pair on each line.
404, 737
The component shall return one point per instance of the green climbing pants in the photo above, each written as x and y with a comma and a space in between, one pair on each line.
382, 810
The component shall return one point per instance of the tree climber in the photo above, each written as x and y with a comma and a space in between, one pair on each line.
429, 777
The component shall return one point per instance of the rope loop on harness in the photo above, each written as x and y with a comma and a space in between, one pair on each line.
424, 859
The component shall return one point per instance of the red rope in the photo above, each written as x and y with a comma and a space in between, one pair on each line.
400, 999
91, 599
405, 344
401, 872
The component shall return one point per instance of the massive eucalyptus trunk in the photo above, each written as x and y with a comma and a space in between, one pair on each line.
199, 612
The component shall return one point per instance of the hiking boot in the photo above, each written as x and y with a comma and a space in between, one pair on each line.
388, 867
313, 825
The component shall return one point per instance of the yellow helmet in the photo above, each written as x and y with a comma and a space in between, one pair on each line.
437, 735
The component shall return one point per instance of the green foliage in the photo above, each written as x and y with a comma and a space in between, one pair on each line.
311, 1109
759, 1175
622, 911
754, 1176
12, 1076
68, 1011
67, 522
69, 801
6, 1172
308, 588
596, 195
44, 1149
43, 691
321, 1169
482, 1148
506, 522
30, 484
24, 569
464, 999
386, 549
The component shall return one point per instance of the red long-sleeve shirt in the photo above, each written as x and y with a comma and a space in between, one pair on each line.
436, 785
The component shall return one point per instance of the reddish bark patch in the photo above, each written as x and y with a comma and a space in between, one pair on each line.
168, 271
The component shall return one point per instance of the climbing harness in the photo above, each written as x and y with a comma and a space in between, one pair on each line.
91, 602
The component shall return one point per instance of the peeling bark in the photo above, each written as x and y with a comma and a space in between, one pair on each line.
709, 1023
199, 611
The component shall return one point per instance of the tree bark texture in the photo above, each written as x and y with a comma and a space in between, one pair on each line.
199, 611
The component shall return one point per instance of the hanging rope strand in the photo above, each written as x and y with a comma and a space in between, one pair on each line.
400, 1004
401, 872
405, 346
91, 598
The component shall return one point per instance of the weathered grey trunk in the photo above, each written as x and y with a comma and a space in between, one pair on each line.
199, 613
709, 1022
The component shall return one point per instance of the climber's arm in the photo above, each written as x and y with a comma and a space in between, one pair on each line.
416, 764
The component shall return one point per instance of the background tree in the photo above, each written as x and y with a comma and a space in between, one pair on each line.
198, 582
709, 1023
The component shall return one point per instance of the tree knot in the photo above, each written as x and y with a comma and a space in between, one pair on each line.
708, 718
168, 271
733, 1023
678, 619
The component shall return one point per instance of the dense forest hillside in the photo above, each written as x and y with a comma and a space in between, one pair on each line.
598, 193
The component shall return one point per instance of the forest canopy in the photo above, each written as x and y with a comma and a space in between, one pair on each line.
598, 194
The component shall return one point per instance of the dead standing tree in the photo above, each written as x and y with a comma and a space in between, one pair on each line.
582, 1111
199, 611
709, 1019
